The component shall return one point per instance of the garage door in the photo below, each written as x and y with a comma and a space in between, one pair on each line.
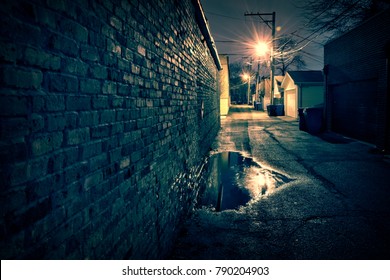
291, 106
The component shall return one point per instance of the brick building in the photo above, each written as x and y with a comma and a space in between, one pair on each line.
357, 82
108, 109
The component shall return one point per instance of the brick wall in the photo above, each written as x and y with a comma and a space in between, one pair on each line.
102, 129
357, 81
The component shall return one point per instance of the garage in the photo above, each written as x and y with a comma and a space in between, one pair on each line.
302, 89
291, 103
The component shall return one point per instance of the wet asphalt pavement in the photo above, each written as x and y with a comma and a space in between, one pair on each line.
336, 205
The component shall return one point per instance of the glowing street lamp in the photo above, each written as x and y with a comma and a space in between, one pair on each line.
261, 49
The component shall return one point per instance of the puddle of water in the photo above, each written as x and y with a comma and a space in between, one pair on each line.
233, 180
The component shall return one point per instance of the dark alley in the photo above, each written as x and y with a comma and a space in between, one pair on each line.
337, 206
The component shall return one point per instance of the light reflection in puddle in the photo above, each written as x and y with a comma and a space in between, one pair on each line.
233, 180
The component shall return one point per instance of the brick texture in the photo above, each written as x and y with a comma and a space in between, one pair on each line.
102, 131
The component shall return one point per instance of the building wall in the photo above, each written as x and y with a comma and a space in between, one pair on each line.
312, 96
265, 91
290, 97
357, 82
102, 129
223, 81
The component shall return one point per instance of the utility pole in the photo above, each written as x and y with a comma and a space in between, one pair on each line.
249, 78
272, 26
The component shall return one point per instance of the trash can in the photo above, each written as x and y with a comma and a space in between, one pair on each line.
313, 119
275, 110
271, 110
302, 122
279, 110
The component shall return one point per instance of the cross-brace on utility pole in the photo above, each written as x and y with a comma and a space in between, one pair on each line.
272, 26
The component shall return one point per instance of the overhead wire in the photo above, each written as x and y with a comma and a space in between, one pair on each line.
309, 38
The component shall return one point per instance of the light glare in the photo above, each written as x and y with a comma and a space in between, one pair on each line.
261, 48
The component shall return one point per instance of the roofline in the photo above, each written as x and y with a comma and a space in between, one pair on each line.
301, 83
285, 76
204, 28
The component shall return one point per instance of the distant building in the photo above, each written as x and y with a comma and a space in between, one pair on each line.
224, 85
265, 92
302, 89
357, 82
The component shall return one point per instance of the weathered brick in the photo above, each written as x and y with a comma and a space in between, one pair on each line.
110, 87
125, 162
90, 86
75, 67
100, 131
90, 118
116, 23
93, 180
63, 44
55, 122
97, 39
53, 103
74, 30
62, 83
22, 78
37, 168
107, 116
45, 143
100, 102
141, 50
117, 102
98, 72
41, 59
73, 174
78, 136
72, 119
113, 47
89, 53
78, 103
91, 149
97, 162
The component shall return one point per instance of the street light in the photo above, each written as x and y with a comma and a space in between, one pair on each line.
261, 49
273, 28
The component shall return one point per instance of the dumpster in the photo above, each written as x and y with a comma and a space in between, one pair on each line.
302, 122
271, 110
279, 109
313, 119
275, 110
257, 105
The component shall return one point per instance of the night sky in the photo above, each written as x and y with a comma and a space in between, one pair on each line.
228, 23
